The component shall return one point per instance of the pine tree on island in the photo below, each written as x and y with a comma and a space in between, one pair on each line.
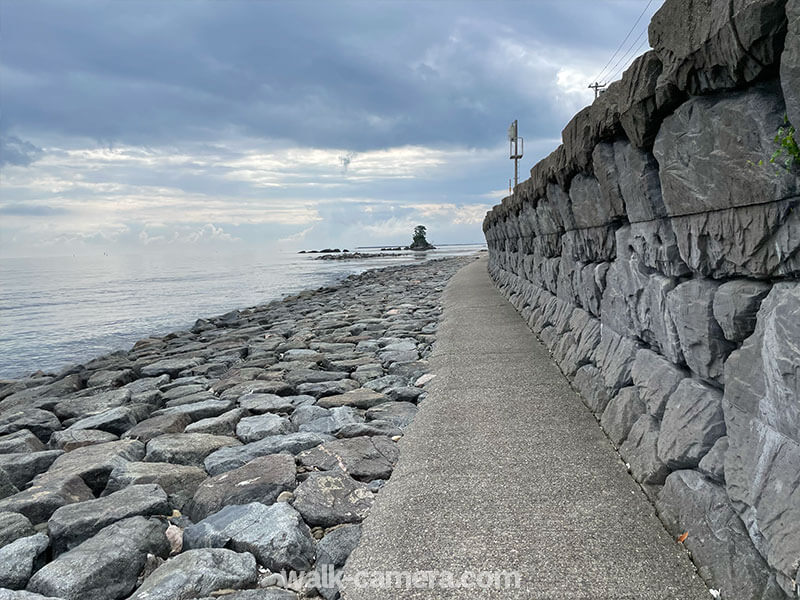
419, 241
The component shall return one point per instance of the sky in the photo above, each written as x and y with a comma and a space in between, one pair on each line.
192, 126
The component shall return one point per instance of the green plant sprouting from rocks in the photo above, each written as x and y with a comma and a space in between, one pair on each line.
787, 154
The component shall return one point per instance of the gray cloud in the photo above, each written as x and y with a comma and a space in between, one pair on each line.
31, 210
14, 151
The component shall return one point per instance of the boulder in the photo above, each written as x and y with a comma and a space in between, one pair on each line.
703, 343
85, 405
179, 481
735, 306
106, 566
40, 423
258, 404
94, 463
717, 539
195, 573
20, 441
327, 388
640, 451
280, 388
20, 559
398, 413
298, 376
23, 595
153, 427
275, 535
22, 467
693, 421
226, 459
170, 366
639, 184
14, 526
725, 171
203, 409
41, 499
73, 524
373, 428
260, 480
336, 546
364, 458
115, 420
332, 498
252, 429
71, 439
590, 207
335, 419
186, 448
110, 378
224, 424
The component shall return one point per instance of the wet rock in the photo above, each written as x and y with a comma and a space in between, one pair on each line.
195, 573
186, 448
22, 467
735, 306
622, 412
360, 398
364, 458
153, 427
656, 378
261, 480
399, 414
640, 451
225, 424
71, 439
14, 526
72, 524
40, 423
717, 538
41, 499
94, 463
702, 341
20, 441
693, 421
20, 559
252, 429
275, 535
332, 498
179, 481
234, 457
106, 566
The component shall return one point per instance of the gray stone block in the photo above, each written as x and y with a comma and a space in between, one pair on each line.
20, 559
790, 64
179, 481
717, 539
693, 421
639, 183
712, 465
14, 526
332, 498
709, 45
702, 341
735, 306
622, 412
364, 458
656, 378
724, 172
641, 453
589, 206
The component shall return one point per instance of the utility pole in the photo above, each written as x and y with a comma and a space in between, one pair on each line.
516, 148
598, 88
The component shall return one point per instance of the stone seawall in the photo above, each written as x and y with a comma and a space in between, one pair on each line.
659, 262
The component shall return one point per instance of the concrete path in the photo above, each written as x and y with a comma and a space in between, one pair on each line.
505, 469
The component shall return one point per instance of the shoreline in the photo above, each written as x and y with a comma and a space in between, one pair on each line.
282, 416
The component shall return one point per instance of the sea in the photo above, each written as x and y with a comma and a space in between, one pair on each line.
56, 312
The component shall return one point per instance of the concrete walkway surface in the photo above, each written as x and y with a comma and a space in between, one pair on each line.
505, 469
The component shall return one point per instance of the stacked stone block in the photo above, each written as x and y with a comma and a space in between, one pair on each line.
656, 253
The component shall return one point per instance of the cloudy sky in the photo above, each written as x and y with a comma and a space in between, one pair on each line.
177, 126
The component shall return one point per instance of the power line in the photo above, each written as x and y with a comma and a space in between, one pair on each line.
625, 58
625, 65
622, 43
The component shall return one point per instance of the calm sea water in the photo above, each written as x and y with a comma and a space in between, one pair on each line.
59, 311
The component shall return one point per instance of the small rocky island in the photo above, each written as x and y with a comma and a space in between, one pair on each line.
420, 242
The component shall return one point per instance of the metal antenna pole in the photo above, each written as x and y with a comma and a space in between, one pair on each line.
598, 88
516, 147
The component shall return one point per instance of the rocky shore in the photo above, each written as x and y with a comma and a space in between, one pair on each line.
201, 463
